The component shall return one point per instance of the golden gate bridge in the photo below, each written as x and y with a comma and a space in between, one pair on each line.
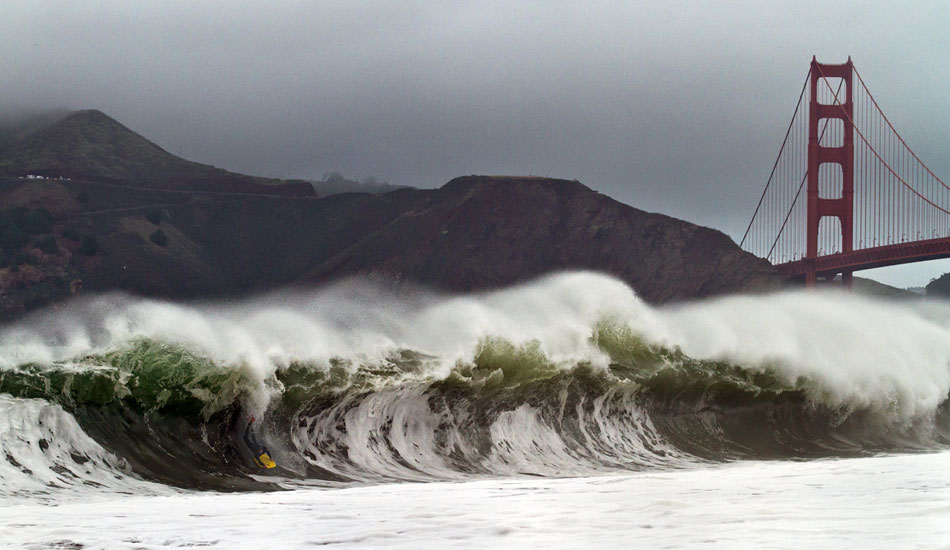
846, 192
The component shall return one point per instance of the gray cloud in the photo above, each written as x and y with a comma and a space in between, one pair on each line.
677, 107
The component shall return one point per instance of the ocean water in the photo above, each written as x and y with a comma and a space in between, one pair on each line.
562, 413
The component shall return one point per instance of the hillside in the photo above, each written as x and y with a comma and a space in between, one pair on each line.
89, 145
939, 287
870, 287
474, 233
481, 232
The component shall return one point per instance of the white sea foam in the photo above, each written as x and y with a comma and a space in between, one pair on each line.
874, 503
46, 451
855, 351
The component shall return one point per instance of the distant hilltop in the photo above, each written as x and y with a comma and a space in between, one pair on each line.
90, 145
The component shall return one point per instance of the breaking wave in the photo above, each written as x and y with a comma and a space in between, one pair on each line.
568, 375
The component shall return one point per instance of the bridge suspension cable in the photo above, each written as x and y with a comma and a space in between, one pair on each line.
779, 157
896, 133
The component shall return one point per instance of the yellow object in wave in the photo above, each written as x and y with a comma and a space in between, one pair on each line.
265, 461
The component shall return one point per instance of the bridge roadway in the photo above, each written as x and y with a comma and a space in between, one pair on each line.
869, 258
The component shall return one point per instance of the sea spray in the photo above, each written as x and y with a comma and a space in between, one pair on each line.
855, 352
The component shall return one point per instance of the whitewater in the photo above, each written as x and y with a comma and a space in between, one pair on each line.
563, 412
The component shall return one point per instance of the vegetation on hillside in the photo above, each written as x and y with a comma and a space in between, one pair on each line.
159, 237
18, 225
153, 215
24, 229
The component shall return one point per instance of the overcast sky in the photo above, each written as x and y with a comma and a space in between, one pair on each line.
674, 107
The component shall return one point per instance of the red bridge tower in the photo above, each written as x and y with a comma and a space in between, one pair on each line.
820, 207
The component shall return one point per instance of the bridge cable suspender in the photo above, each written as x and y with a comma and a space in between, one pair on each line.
777, 159
876, 154
891, 126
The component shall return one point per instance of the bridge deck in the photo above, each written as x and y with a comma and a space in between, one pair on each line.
869, 258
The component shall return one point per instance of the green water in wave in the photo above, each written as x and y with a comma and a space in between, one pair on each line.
146, 376
155, 377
